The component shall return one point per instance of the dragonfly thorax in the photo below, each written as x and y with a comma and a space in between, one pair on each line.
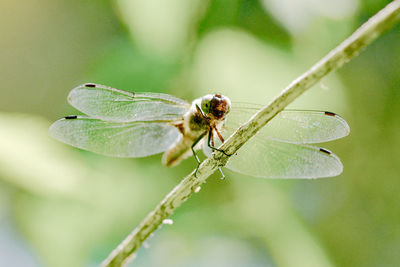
206, 113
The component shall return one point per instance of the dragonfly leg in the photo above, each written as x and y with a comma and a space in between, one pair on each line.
197, 159
222, 174
195, 154
201, 111
210, 141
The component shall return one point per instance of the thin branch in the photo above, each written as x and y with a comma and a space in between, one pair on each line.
351, 47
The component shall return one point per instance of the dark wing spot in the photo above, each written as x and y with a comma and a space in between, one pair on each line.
325, 151
90, 85
329, 113
72, 117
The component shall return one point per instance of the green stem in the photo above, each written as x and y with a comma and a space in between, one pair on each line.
352, 46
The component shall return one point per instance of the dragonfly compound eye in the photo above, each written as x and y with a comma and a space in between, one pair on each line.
206, 104
219, 106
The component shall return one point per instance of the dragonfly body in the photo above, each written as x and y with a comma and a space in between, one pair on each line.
204, 117
126, 124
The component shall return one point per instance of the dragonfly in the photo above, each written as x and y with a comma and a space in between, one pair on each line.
126, 124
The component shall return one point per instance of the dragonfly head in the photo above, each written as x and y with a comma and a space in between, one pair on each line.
215, 106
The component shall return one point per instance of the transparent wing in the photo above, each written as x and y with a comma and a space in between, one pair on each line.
292, 126
267, 158
279, 151
274, 159
130, 139
107, 103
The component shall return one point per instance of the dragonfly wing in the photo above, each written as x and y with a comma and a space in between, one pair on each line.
130, 139
279, 149
110, 104
274, 159
294, 126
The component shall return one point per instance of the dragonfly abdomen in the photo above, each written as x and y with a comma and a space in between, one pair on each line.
179, 151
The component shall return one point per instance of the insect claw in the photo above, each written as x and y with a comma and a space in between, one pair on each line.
221, 150
195, 172
210, 143
222, 174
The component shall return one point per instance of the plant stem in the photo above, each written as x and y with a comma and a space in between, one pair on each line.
351, 47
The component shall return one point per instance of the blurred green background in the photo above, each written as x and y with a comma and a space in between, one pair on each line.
60, 206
